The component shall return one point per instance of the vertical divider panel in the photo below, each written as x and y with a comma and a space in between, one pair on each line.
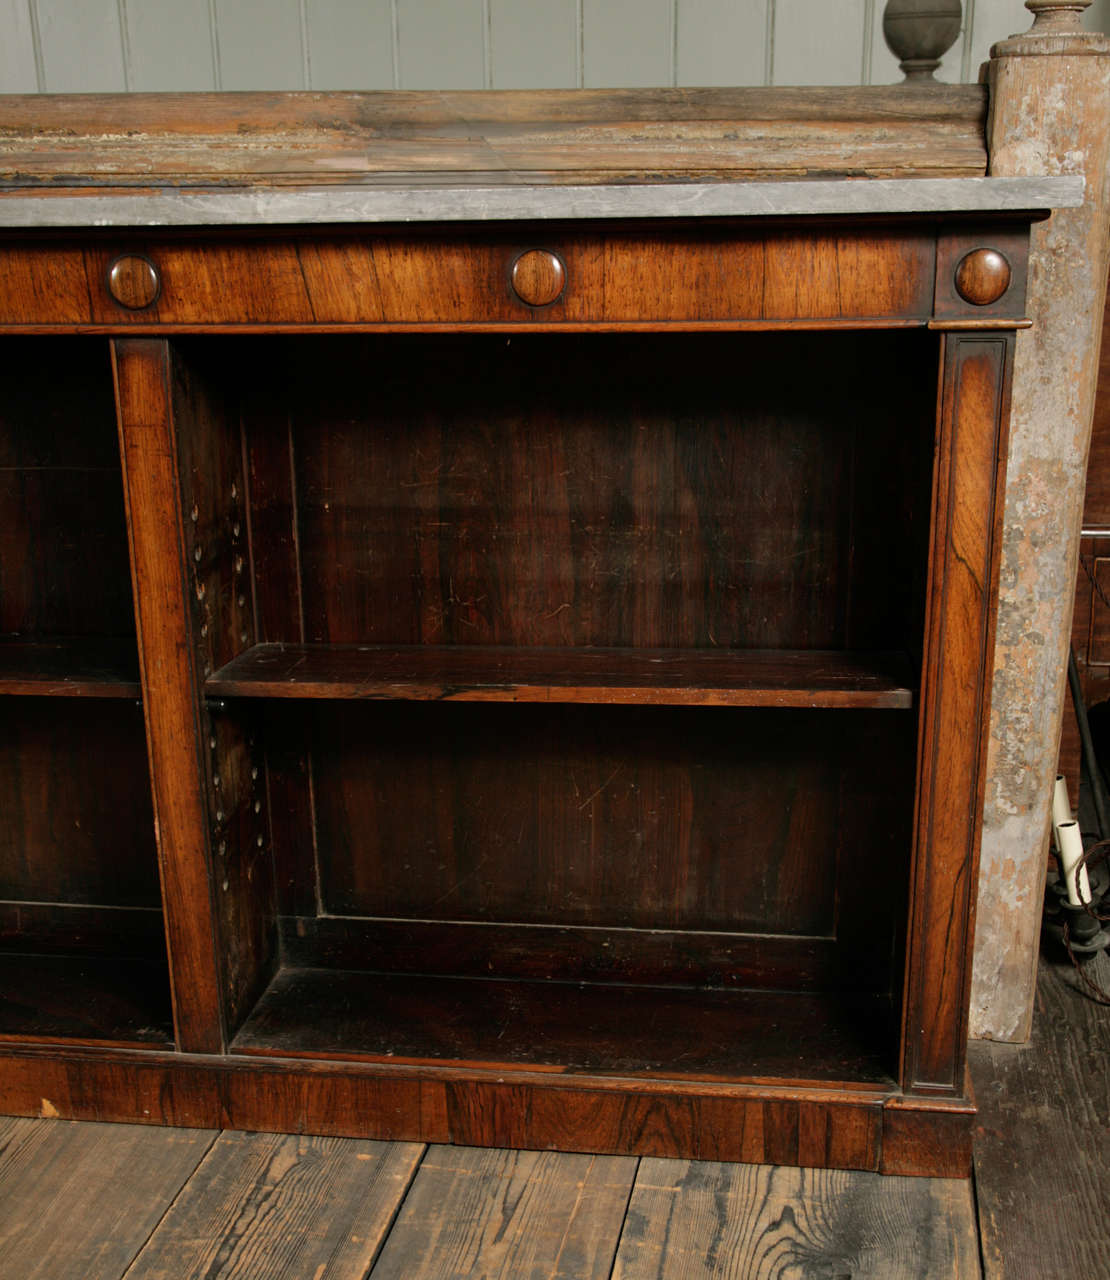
206, 399
166, 657
186, 501
967, 506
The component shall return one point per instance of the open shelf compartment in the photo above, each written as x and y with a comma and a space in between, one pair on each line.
573, 1028
73, 667
464, 880
114, 1001
82, 950
562, 681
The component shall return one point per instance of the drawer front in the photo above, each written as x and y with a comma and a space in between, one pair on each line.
534, 277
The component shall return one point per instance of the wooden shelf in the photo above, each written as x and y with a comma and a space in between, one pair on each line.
122, 1001
626, 1029
70, 668
712, 677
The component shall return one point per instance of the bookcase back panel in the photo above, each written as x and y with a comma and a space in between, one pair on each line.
724, 490
641, 818
63, 541
74, 789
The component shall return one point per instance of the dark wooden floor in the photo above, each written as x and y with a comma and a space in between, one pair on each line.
102, 1202
1042, 1150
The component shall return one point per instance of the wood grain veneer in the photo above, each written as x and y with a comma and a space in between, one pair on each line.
564, 693
694, 277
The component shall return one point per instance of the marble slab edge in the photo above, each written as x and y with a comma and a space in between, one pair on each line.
276, 206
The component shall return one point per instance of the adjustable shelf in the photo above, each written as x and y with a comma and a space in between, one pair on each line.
80, 667
665, 677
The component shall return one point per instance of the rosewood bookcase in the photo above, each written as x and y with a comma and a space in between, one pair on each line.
498, 662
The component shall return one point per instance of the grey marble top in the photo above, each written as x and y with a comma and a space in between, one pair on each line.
275, 206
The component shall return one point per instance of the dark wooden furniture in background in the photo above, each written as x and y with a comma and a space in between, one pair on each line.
1091, 620
563, 646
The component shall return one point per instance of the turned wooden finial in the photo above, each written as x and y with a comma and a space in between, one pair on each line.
1056, 30
1055, 17
920, 32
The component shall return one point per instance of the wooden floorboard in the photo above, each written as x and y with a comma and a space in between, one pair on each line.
101, 1202
1042, 1160
702, 1221
80, 1200
509, 1215
14, 1132
263, 1206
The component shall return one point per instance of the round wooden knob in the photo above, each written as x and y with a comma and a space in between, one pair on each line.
982, 277
133, 281
538, 277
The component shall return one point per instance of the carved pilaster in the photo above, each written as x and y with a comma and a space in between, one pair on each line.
1050, 114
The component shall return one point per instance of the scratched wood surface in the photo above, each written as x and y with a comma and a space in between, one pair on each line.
503, 1214
122, 1202
748, 678
703, 1221
81, 1199
263, 1206
1040, 1143
533, 136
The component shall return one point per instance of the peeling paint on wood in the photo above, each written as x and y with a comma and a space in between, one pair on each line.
1050, 115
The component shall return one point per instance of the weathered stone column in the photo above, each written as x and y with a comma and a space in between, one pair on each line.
1050, 114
